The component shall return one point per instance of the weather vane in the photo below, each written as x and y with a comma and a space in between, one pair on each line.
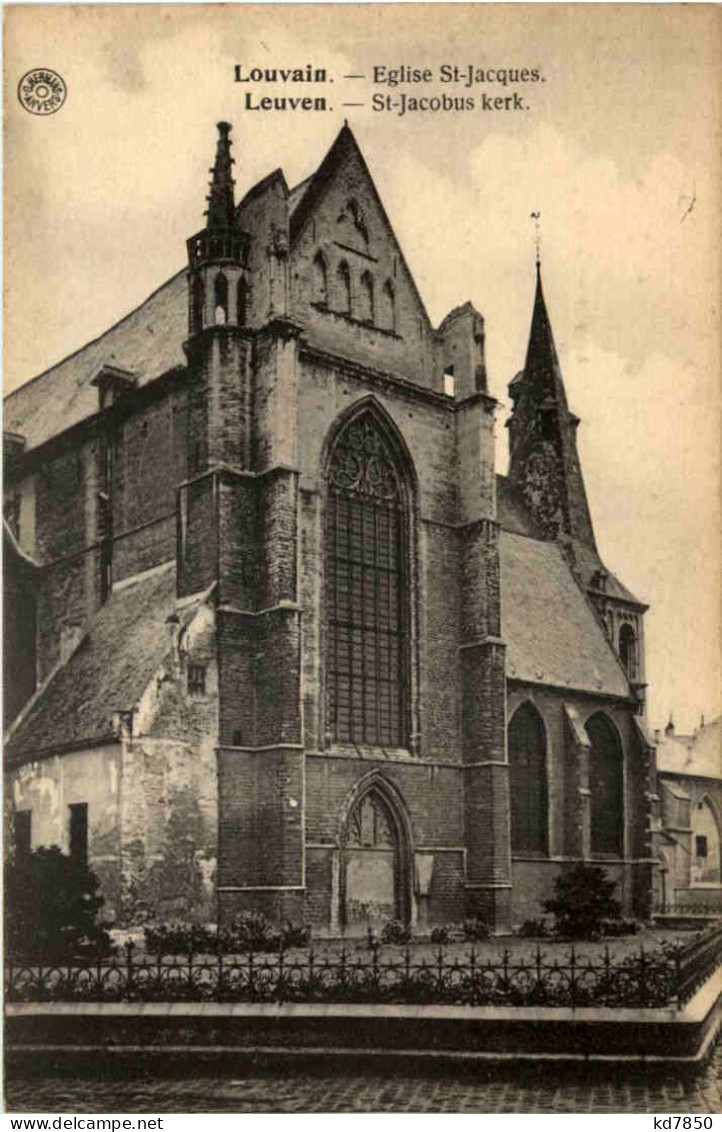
536, 217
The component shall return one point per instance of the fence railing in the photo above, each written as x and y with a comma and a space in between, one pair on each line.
661, 977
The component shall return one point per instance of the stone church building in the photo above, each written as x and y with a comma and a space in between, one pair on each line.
278, 635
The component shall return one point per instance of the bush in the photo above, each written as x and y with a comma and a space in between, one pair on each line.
533, 929
51, 908
475, 930
248, 931
620, 927
583, 902
394, 931
179, 939
440, 935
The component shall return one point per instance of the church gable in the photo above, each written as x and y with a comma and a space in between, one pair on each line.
348, 269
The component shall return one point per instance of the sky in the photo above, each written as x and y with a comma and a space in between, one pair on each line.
617, 146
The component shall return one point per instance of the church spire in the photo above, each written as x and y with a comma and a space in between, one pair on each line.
221, 205
544, 463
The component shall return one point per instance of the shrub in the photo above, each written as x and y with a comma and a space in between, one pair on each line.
394, 931
533, 929
179, 939
620, 927
583, 901
475, 929
51, 908
296, 935
440, 935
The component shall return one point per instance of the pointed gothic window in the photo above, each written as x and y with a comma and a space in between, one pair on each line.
367, 645
320, 280
528, 781
343, 288
628, 651
706, 839
220, 296
366, 298
606, 785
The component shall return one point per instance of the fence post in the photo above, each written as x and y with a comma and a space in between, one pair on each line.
505, 966
573, 983
607, 975
678, 976
642, 976
538, 963
472, 974
129, 948
250, 969
375, 961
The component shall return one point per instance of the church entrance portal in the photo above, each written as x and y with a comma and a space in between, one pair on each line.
373, 872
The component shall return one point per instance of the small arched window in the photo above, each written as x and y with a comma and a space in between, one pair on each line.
220, 299
366, 298
320, 280
628, 650
343, 288
606, 782
388, 306
528, 781
243, 300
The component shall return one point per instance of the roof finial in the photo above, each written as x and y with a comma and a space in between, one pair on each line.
669, 729
221, 206
536, 217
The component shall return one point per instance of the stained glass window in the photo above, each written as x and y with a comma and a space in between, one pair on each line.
366, 622
528, 781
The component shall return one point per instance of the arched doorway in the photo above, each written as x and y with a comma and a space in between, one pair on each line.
374, 871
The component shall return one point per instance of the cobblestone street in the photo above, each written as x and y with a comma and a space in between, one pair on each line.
481, 1089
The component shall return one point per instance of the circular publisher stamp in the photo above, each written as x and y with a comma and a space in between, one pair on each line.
42, 91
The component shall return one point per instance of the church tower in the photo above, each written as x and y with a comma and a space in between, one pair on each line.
544, 463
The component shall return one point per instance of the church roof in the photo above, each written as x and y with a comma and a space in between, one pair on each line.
147, 342
108, 671
551, 632
512, 513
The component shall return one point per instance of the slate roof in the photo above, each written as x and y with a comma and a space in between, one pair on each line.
511, 510
552, 634
108, 672
514, 517
147, 342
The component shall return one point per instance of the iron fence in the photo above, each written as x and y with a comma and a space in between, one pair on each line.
664, 976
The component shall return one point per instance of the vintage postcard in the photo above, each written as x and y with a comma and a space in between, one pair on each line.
361, 556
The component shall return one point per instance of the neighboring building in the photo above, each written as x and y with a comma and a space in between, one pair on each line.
687, 834
297, 647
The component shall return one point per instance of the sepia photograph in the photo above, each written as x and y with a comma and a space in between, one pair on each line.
361, 559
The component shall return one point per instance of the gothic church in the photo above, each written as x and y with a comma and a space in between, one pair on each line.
278, 637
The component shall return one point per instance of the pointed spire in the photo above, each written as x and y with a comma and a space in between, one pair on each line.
544, 462
221, 204
669, 729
